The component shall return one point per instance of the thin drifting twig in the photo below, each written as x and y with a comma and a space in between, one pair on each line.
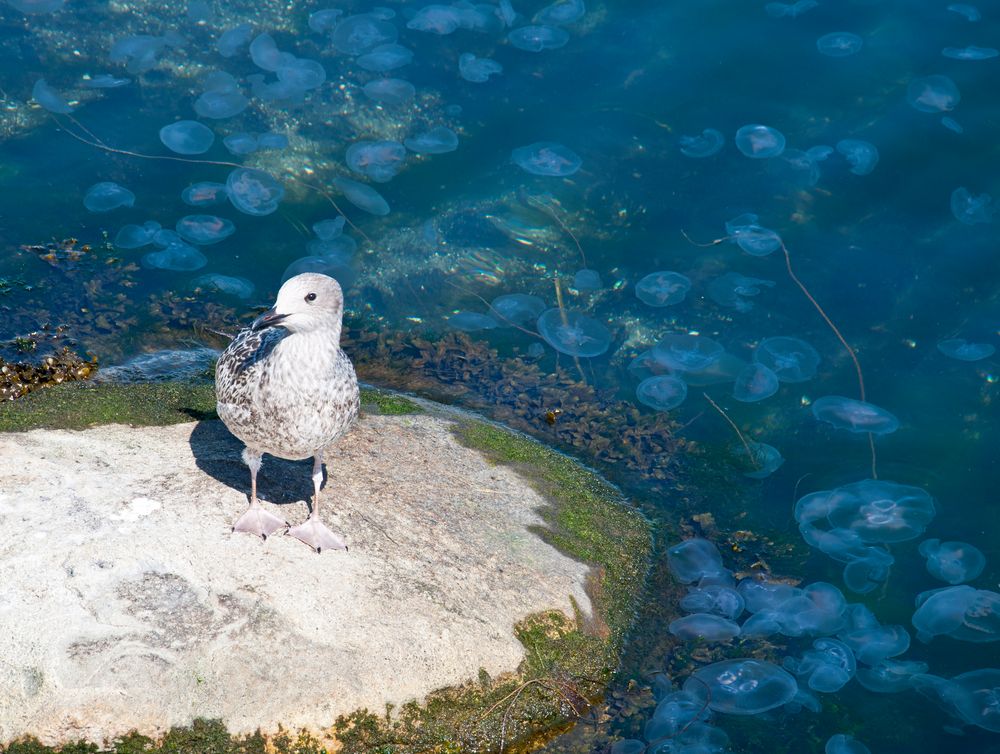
746, 445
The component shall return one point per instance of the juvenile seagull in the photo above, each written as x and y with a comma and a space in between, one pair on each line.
286, 388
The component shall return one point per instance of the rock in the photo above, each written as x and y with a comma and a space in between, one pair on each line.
127, 603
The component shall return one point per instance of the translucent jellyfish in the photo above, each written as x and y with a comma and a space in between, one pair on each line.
970, 53
791, 359
842, 743
177, 256
973, 697
362, 196
587, 280
704, 627
561, 12
301, 73
804, 166
516, 308
890, 676
254, 191
662, 392
33, 7
106, 196
789, 10
574, 333
240, 143
187, 137
691, 560
766, 459
379, 160
271, 140
971, 209
138, 52
341, 245
546, 158
873, 644
662, 288
742, 687
136, 236
963, 350
231, 40
853, 415
275, 91
49, 98
505, 11
933, 94
960, 612
436, 19
716, 599
105, 81
390, 91
874, 511
362, 33
827, 667
165, 237
753, 238
816, 610
862, 156
327, 230
538, 38
204, 194
687, 352
839, 44
472, 321
971, 12
438, 140
759, 141
204, 229
755, 383
732, 290
676, 711
323, 21
221, 102
953, 562
227, 284
336, 266
706, 144
952, 125
477, 70
385, 58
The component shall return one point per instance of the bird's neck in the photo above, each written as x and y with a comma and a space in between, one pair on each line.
315, 346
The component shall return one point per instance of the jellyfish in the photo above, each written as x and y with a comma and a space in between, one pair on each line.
693, 559
960, 612
841, 743
952, 125
339, 245
49, 98
759, 141
436, 19
361, 196
231, 40
327, 230
715, 599
767, 459
324, 21
516, 308
973, 697
254, 192
538, 38
791, 359
816, 610
573, 333
477, 70
742, 686
472, 321
226, 284
890, 676
204, 194
240, 143
687, 353
390, 91
755, 383
105, 81
676, 712
179, 257
439, 140
587, 280
561, 12
662, 392
221, 103
301, 73
872, 511
861, 155
751, 237
933, 94
969, 209
272, 140
704, 627
805, 165
953, 562
204, 229
546, 158
336, 266
136, 236
970, 12
874, 644
839, 44
706, 144
138, 52
963, 350
853, 415
187, 137
106, 196
379, 160
970, 53
827, 667
387, 57
662, 288
362, 33
732, 290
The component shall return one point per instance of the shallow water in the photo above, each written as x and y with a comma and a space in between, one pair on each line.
882, 253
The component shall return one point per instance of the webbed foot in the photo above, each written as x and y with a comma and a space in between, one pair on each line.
258, 521
315, 534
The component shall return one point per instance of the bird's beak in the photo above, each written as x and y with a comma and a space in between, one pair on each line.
270, 318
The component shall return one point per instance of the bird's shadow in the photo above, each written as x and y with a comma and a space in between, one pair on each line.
218, 454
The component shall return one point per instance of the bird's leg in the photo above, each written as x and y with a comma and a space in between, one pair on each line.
256, 520
312, 531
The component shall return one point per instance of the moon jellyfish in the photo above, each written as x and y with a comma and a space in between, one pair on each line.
546, 158
516, 308
106, 196
341, 244
971, 697
854, 416
961, 612
754, 239
32, 7
231, 40
971, 12
839, 44
709, 142
436, 19
969, 209
805, 165
952, 125
862, 156
759, 141
732, 290
105, 81
362, 33
49, 98
327, 230
742, 686
379, 160
138, 52
827, 667
222, 97
890, 676
963, 350
240, 143
842, 743
362, 196
538, 38
439, 140
204, 229
301, 74
226, 284
573, 333
204, 194
791, 359
561, 12
254, 192
385, 58
136, 236
179, 257
766, 458
472, 321
187, 137
390, 91
933, 94
693, 559
755, 383
662, 288
337, 266
662, 393
705, 627
323, 21
587, 280
477, 70
272, 140
687, 352
970, 53
953, 562
714, 599
789, 10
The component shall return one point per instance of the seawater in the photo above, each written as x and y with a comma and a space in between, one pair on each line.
882, 253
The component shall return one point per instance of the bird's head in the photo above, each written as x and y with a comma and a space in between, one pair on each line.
306, 303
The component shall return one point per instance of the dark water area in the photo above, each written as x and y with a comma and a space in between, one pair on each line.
887, 259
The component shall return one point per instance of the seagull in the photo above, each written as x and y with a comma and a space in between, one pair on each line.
285, 387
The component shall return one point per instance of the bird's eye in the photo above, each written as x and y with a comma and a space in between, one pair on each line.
311, 297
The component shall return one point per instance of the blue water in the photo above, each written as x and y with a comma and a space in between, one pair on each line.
882, 253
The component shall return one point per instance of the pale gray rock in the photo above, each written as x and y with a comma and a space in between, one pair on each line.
126, 602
